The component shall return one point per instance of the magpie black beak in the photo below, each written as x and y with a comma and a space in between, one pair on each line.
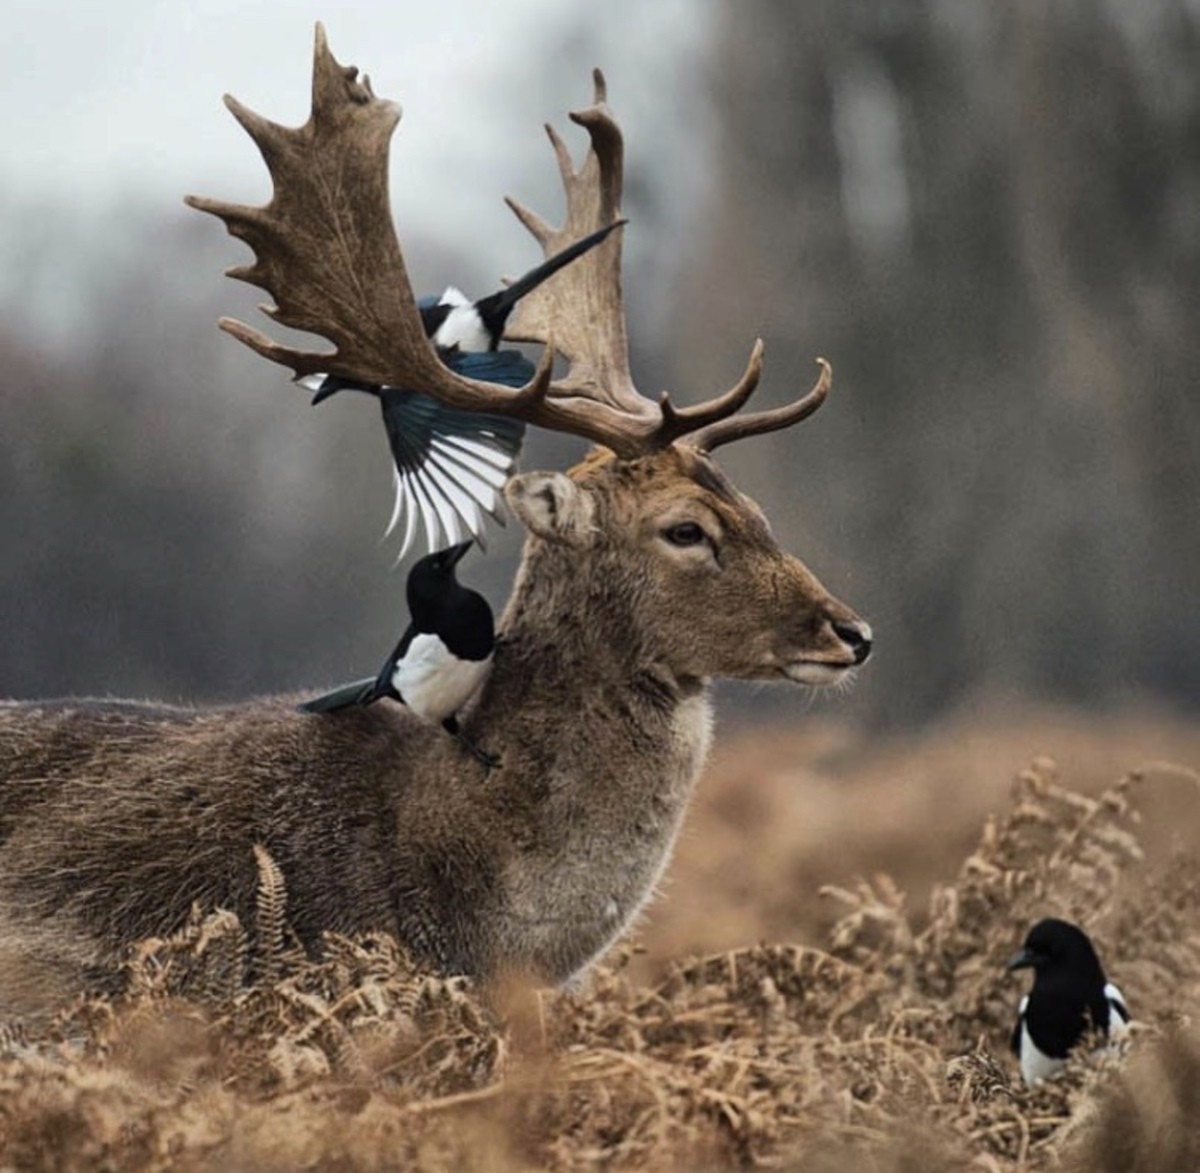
1026, 959
454, 554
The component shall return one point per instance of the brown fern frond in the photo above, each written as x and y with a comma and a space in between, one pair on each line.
270, 911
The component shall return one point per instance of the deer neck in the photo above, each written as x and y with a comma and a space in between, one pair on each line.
602, 745
571, 631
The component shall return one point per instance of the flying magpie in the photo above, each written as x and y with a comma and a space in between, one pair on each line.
455, 322
1070, 995
450, 464
443, 657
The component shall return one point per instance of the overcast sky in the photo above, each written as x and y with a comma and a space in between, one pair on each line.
104, 106
97, 98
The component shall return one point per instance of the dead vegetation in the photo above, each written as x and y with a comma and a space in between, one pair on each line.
885, 1049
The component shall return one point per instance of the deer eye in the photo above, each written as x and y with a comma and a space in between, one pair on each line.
686, 533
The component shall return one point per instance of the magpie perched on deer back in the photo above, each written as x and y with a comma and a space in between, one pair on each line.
451, 464
443, 657
1069, 997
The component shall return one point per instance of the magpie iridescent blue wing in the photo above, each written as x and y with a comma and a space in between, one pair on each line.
451, 465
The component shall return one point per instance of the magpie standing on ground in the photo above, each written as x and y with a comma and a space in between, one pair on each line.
443, 657
1070, 995
450, 465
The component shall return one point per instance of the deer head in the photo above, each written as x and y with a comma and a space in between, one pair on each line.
679, 559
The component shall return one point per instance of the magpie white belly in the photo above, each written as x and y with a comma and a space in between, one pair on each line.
434, 683
1035, 1066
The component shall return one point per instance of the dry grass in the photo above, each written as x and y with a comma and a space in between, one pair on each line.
882, 1049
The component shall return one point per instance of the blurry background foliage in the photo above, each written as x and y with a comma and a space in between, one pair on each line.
986, 216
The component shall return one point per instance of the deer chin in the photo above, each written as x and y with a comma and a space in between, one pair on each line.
816, 673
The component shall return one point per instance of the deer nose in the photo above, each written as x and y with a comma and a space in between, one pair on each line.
856, 635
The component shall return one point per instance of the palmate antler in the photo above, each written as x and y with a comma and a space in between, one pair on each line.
583, 314
326, 250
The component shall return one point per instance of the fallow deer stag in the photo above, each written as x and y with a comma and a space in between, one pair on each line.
645, 574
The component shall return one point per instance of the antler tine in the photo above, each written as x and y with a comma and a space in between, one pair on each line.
583, 306
736, 427
680, 421
326, 249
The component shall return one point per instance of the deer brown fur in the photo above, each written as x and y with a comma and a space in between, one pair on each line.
115, 817
645, 575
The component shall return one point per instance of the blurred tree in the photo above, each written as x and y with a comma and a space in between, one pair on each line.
175, 521
170, 522
987, 218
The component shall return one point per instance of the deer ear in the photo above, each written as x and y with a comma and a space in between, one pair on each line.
552, 506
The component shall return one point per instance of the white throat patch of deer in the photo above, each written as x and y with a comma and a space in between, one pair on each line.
645, 574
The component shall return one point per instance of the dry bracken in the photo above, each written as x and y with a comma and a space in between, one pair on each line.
885, 1050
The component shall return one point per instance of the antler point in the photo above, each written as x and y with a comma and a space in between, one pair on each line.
544, 373
320, 42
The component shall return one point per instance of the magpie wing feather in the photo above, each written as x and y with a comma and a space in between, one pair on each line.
1116, 1005
1015, 1041
450, 463
484, 462
382, 685
484, 494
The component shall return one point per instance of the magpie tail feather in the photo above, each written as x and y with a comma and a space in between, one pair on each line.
495, 309
361, 692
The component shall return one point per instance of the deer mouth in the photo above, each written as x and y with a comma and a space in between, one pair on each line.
815, 672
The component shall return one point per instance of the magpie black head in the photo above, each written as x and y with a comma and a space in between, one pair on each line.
433, 313
432, 584
438, 604
1057, 945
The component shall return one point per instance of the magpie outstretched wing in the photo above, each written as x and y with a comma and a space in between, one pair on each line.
451, 465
